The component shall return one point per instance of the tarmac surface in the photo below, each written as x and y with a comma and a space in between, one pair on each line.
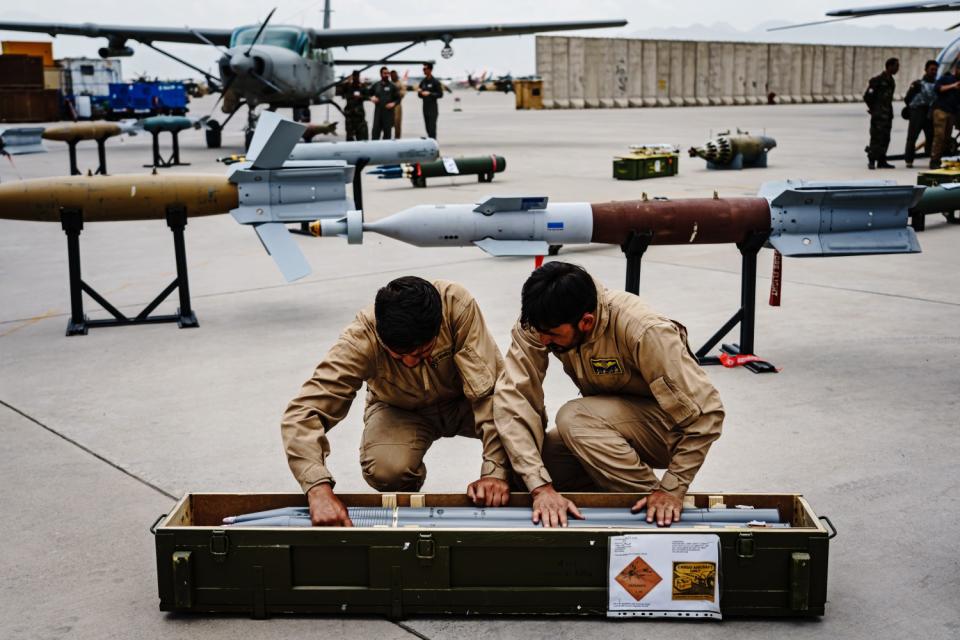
101, 433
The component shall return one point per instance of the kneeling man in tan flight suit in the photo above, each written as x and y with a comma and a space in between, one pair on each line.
645, 404
430, 365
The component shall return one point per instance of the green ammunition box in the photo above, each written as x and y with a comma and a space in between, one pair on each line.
206, 567
641, 167
934, 177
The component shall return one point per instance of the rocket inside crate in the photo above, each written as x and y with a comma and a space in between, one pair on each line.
209, 510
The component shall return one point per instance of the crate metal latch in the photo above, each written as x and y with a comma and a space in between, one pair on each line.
219, 545
746, 546
426, 548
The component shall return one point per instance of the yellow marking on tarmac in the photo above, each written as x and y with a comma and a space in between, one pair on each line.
35, 319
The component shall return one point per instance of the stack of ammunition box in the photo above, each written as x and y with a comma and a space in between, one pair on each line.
647, 161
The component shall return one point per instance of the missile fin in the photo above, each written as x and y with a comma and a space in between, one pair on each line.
273, 141
851, 243
283, 249
501, 248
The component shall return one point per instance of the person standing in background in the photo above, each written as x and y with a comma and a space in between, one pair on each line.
385, 96
879, 99
355, 118
919, 101
401, 86
430, 91
945, 107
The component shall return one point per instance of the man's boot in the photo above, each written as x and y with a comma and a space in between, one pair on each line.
871, 164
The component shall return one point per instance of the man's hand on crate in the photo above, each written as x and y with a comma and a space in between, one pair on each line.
489, 492
326, 510
551, 508
661, 506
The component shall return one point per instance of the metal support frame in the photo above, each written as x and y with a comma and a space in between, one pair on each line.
745, 315
174, 159
361, 164
101, 155
633, 250
72, 222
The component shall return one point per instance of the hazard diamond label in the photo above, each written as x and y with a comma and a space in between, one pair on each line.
638, 578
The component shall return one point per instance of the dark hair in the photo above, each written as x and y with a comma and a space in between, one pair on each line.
557, 293
931, 62
382, 69
428, 65
408, 313
890, 62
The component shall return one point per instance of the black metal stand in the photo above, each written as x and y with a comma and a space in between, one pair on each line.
633, 249
101, 154
174, 159
72, 223
745, 315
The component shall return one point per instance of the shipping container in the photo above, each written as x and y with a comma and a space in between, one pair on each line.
29, 105
38, 49
21, 72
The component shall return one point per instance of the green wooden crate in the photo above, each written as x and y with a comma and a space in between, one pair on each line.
642, 167
204, 567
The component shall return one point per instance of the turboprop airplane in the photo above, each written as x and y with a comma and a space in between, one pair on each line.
284, 66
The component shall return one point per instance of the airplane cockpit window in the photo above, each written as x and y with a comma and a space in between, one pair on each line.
285, 37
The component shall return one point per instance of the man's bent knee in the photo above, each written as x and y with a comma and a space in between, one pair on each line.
393, 473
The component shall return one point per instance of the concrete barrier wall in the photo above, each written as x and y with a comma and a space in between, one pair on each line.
619, 72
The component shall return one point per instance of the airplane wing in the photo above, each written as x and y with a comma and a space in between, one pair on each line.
903, 7
122, 32
838, 15
356, 37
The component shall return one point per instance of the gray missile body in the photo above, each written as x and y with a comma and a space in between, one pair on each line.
376, 152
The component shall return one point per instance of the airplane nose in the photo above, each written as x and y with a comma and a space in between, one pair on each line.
241, 64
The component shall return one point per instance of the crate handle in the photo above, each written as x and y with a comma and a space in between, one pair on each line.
833, 529
153, 527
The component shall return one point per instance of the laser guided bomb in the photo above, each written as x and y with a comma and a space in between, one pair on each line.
361, 152
735, 151
801, 219
266, 192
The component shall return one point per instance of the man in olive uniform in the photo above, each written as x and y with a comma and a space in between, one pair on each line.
645, 404
430, 366
401, 86
879, 99
354, 94
430, 91
385, 95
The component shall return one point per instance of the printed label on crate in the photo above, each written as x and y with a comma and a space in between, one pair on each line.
663, 575
450, 165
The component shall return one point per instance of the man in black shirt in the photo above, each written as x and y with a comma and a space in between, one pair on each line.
945, 107
385, 95
430, 91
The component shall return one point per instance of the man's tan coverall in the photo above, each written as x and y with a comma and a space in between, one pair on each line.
646, 404
407, 408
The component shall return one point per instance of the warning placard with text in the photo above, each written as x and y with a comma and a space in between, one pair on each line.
664, 575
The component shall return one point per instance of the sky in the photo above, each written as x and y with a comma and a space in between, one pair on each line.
685, 19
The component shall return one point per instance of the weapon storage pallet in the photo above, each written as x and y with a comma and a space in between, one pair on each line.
206, 567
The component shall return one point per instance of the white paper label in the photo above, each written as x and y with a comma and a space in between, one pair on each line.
450, 165
662, 575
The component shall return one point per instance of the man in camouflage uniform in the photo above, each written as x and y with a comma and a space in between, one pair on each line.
354, 93
879, 99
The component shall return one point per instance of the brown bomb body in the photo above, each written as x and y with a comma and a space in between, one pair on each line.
76, 131
688, 221
112, 198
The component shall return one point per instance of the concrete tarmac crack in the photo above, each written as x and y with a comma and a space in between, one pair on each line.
411, 630
89, 451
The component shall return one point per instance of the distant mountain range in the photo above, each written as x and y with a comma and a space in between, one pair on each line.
819, 34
